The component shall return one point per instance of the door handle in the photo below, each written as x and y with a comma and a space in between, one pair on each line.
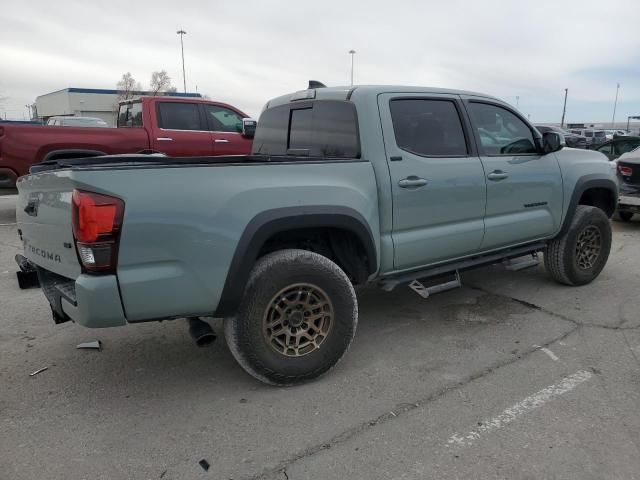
164, 139
412, 182
221, 140
497, 175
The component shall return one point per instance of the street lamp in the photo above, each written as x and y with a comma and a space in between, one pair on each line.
352, 53
184, 78
517, 101
615, 104
564, 107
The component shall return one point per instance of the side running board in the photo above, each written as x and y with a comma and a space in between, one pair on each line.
426, 292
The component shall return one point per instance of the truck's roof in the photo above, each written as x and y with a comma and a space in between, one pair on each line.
344, 92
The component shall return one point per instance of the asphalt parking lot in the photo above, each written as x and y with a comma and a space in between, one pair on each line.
511, 376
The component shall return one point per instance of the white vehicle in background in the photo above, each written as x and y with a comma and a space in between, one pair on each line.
594, 137
611, 134
68, 121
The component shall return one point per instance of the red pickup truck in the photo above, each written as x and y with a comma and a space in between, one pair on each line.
185, 127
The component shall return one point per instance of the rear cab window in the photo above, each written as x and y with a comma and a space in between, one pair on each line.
321, 128
130, 115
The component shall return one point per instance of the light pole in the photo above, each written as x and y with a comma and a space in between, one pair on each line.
615, 104
517, 101
352, 53
564, 108
184, 78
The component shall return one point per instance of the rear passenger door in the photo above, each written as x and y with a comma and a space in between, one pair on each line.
182, 130
524, 187
437, 180
226, 131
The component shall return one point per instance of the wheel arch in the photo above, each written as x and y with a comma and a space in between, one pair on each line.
266, 225
71, 153
595, 191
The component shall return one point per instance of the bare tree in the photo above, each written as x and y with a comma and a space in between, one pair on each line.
127, 87
161, 83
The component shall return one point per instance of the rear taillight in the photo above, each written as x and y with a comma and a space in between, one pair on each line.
96, 221
625, 171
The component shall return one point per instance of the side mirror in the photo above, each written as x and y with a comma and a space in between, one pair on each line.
249, 127
552, 142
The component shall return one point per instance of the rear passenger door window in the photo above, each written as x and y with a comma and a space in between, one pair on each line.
430, 128
501, 132
179, 116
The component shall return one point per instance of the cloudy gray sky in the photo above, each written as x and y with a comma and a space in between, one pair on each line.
245, 52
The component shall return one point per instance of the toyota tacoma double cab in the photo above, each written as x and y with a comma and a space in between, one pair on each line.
173, 126
344, 186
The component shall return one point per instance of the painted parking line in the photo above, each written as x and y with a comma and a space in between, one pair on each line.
549, 353
532, 402
7, 224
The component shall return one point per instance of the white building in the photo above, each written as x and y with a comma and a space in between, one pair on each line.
86, 102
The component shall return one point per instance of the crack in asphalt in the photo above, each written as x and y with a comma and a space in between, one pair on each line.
555, 314
402, 409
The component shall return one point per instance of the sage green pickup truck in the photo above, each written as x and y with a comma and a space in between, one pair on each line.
347, 186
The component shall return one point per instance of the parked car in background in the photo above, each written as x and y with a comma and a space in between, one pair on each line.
618, 146
594, 137
70, 121
611, 134
572, 140
628, 171
185, 127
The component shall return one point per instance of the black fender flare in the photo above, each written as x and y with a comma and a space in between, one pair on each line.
582, 185
74, 152
270, 222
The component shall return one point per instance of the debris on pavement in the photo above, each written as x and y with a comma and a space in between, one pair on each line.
95, 345
32, 374
204, 464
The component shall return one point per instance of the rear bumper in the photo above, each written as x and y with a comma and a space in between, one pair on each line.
92, 301
629, 200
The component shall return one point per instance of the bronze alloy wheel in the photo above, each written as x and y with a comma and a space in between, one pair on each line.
588, 247
298, 319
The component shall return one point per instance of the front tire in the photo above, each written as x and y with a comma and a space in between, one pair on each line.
579, 255
297, 318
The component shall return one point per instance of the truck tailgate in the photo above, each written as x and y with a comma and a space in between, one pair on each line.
43, 213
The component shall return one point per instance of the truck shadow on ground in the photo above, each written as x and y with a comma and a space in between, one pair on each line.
395, 330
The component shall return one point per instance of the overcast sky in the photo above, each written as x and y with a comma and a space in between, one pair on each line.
245, 52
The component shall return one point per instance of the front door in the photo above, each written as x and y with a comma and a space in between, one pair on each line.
524, 188
226, 130
437, 180
182, 131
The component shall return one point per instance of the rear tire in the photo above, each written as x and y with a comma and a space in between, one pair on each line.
297, 318
624, 216
579, 255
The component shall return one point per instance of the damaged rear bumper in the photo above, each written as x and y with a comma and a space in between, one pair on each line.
90, 300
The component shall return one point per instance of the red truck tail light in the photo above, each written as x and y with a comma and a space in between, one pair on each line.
96, 221
625, 171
